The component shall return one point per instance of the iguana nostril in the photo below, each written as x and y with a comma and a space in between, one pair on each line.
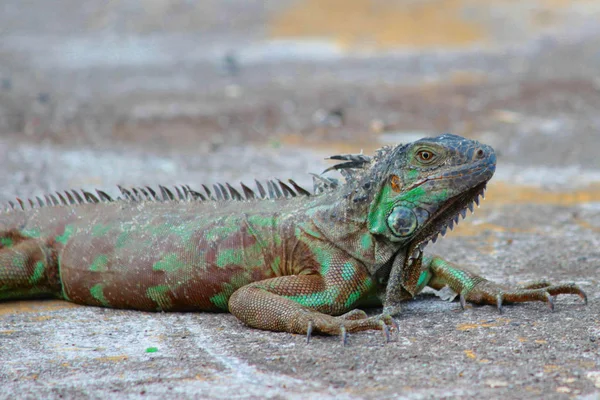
480, 153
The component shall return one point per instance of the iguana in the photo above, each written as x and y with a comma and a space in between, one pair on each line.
285, 260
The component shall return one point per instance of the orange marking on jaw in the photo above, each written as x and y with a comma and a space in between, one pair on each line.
396, 183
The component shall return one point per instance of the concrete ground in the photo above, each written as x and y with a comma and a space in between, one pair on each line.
100, 95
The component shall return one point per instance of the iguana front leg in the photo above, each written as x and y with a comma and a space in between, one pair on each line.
471, 287
302, 304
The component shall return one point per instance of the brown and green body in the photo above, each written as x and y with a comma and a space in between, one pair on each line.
169, 256
180, 256
287, 264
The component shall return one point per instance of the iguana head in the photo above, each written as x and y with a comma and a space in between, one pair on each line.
426, 185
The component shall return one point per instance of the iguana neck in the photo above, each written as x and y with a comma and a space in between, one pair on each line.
341, 218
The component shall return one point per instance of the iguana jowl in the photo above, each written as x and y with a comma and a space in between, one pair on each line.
293, 263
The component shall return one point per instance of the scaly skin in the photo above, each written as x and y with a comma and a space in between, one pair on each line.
301, 264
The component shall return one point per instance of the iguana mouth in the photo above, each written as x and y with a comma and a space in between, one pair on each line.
446, 217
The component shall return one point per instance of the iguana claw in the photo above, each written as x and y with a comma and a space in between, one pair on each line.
395, 325
499, 303
344, 336
550, 301
386, 331
309, 330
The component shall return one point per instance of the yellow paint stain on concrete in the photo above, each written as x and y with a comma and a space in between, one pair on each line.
587, 364
469, 326
112, 359
33, 306
466, 78
378, 24
587, 225
295, 140
473, 227
505, 193
541, 341
556, 3
522, 340
72, 348
533, 389
470, 354
551, 368
7, 332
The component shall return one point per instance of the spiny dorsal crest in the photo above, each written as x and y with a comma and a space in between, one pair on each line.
322, 184
356, 165
275, 189
353, 161
353, 167
362, 173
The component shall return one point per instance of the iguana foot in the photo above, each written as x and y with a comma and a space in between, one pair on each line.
259, 308
486, 292
353, 321
476, 289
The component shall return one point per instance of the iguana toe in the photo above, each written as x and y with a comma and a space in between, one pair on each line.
490, 293
349, 323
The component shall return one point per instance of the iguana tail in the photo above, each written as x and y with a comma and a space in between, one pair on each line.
28, 268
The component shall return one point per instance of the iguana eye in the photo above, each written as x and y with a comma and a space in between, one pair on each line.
426, 156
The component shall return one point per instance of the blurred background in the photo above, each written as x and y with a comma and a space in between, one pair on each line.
196, 76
